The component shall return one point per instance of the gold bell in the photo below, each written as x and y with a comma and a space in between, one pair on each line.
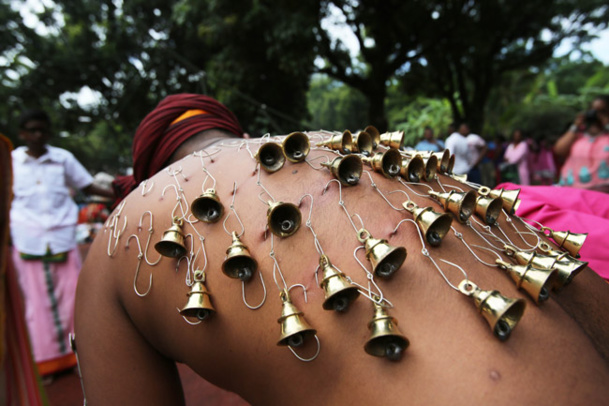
567, 240
566, 266
239, 264
461, 204
413, 169
207, 207
434, 225
339, 142
501, 313
451, 163
271, 157
296, 146
431, 166
199, 303
532, 258
375, 134
443, 160
385, 259
386, 339
489, 208
508, 197
388, 162
347, 169
460, 178
283, 219
362, 142
172, 243
339, 292
393, 139
535, 281
294, 328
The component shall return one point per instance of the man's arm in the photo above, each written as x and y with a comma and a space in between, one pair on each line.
564, 143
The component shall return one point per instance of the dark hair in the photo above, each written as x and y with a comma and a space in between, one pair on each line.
603, 97
31, 115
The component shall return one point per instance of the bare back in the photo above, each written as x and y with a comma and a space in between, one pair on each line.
128, 337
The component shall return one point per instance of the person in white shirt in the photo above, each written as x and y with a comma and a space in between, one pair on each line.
456, 143
43, 221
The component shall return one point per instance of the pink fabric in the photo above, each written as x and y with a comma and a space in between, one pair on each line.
570, 209
49, 315
519, 155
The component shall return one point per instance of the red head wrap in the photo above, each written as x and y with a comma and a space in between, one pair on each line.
163, 130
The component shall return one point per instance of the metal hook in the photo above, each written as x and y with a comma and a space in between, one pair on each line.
375, 187
310, 161
140, 255
307, 359
192, 323
304, 290
232, 208
144, 183
243, 294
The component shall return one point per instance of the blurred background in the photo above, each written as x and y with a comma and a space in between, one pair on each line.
99, 66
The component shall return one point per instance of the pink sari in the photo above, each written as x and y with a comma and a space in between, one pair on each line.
570, 209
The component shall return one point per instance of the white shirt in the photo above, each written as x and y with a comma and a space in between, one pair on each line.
457, 145
43, 213
474, 143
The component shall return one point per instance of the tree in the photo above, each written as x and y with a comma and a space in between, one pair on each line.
255, 56
389, 34
479, 42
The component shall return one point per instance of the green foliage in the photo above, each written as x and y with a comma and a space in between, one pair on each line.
422, 112
333, 105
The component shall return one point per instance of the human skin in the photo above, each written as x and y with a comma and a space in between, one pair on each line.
128, 345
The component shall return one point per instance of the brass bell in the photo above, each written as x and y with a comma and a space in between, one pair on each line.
434, 225
393, 139
283, 219
296, 146
413, 169
508, 197
294, 328
566, 266
362, 143
431, 167
271, 157
443, 160
339, 292
386, 339
460, 178
489, 208
461, 204
388, 162
199, 303
207, 207
339, 142
451, 164
375, 134
535, 281
172, 243
572, 242
532, 258
385, 259
239, 264
501, 313
347, 169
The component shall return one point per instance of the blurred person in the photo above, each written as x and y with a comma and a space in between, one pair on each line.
516, 160
429, 142
43, 220
584, 149
469, 150
543, 168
